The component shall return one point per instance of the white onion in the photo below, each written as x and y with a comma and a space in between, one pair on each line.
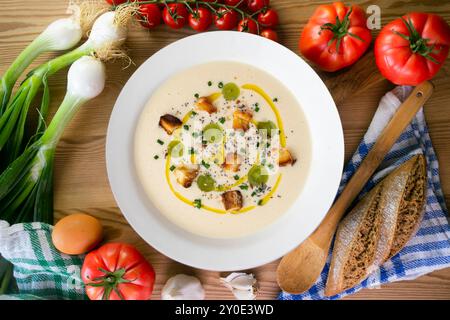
86, 78
105, 32
62, 34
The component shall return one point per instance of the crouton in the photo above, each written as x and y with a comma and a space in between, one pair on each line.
232, 200
241, 120
232, 162
285, 158
169, 123
204, 104
185, 175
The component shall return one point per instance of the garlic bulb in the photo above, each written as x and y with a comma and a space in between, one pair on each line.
183, 287
242, 285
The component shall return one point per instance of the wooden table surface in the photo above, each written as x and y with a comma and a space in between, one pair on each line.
81, 184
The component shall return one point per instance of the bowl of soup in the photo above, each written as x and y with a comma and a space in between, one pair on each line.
224, 150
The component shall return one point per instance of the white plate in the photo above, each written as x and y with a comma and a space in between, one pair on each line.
291, 228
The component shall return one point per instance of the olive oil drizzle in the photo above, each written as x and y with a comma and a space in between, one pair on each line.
262, 93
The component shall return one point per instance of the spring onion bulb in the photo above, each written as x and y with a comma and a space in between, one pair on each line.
108, 33
61, 34
26, 187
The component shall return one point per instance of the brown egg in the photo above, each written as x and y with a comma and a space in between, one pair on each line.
77, 233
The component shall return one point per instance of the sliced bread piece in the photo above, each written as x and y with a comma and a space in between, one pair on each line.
411, 208
363, 241
355, 244
404, 190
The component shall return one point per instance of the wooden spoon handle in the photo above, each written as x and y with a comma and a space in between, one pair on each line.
323, 234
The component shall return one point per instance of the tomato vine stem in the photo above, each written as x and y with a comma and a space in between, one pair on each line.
213, 6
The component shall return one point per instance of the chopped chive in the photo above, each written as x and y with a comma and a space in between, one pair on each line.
209, 83
243, 187
156, 157
275, 99
193, 114
196, 95
191, 151
206, 165
253, 193
236, 177
172, 167
270, 166
160, 141
256, 109
222, 120
197, 203
220, 85
257, 144
186, 127
195, 134
267, 144
260, 202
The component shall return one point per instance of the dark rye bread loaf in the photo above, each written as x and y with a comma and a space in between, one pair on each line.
411, 206
355, 244
378, 226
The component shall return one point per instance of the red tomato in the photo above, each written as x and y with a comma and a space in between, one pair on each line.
268, 18
116, 2
117, 271
226, 19
412, 49
248, 25
150, 15
175, 15
335, 36
269, 34
256, 5
200, 19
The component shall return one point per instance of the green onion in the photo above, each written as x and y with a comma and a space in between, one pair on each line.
197, 203
105, 35
61, 34
26, 186
205, 164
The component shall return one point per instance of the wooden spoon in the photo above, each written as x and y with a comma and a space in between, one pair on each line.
300, 268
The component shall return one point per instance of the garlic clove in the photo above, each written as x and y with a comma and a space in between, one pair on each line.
242, 285
183, 287
244, 294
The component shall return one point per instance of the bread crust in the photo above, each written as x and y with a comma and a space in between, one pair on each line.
398, 201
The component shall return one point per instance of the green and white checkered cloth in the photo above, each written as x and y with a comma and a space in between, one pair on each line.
40, 270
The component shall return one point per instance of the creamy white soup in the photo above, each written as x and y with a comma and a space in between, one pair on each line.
222, 149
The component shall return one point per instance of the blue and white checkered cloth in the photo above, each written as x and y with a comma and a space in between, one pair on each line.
429, 249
